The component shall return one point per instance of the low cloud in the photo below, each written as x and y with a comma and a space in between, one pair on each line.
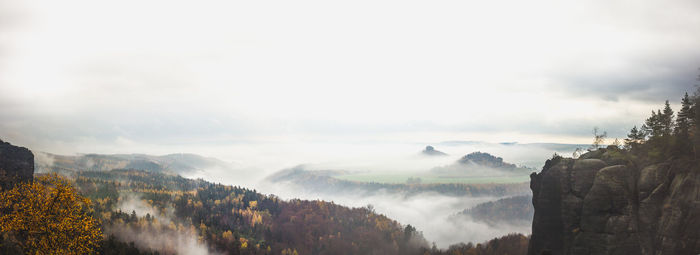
429, 213
167, 235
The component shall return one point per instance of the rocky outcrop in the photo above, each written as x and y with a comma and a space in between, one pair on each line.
603, 203
16, 165
431, 151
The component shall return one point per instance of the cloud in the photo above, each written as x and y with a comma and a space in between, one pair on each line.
652, 79
79, 73
428, 212
156, 237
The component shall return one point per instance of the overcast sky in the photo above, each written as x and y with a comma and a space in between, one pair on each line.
109, 76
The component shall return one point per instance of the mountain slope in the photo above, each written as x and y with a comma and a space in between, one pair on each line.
235, 220
512, 210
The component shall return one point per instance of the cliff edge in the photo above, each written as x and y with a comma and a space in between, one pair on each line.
604, 203
16, 164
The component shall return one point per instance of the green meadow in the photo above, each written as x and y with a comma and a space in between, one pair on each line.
428, 178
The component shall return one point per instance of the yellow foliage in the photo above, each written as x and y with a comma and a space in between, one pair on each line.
227, 235
47, 216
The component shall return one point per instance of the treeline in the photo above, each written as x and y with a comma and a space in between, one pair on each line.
486, 160
512, 244
235, 220
666, 135
512, 210
320, 182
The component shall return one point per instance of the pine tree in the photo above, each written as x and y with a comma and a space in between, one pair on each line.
650, 126
634, 138
683, 144
666, 120
685, 115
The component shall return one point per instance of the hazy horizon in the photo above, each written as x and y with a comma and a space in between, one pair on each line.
82, 76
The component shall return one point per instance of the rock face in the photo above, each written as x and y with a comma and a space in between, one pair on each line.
595, 205
16, 165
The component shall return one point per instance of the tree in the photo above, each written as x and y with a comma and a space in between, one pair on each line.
617, 143
577, 153
685, 115
683, 124
47, 216
634, 138
598, 138
652, 126
666, 120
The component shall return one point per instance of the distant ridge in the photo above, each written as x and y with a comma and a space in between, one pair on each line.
177, 163
479, 162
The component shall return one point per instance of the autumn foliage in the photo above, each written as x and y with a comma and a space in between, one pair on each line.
47, 216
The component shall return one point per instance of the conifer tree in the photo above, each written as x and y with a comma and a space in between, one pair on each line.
650, 128
666, 120
683, 123
634, 138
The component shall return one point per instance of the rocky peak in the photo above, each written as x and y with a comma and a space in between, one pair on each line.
431, 151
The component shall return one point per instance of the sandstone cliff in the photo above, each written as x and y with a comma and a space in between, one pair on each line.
605, 203
16, 164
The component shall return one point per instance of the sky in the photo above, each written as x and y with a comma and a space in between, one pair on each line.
193, 76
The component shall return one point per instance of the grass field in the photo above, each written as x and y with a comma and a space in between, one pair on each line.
430, 178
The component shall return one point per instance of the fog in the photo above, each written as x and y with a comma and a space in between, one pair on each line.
261, 160
175, 239
428, 212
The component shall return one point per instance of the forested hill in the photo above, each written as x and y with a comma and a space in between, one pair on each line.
481, 163
510, 210
235, 220
179, 163
487, 160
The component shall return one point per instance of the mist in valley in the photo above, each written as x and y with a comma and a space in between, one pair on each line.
258, 161
165, 234
429, 212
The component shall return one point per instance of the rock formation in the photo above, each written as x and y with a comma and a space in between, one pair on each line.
16, 165
604, 203
431, 151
